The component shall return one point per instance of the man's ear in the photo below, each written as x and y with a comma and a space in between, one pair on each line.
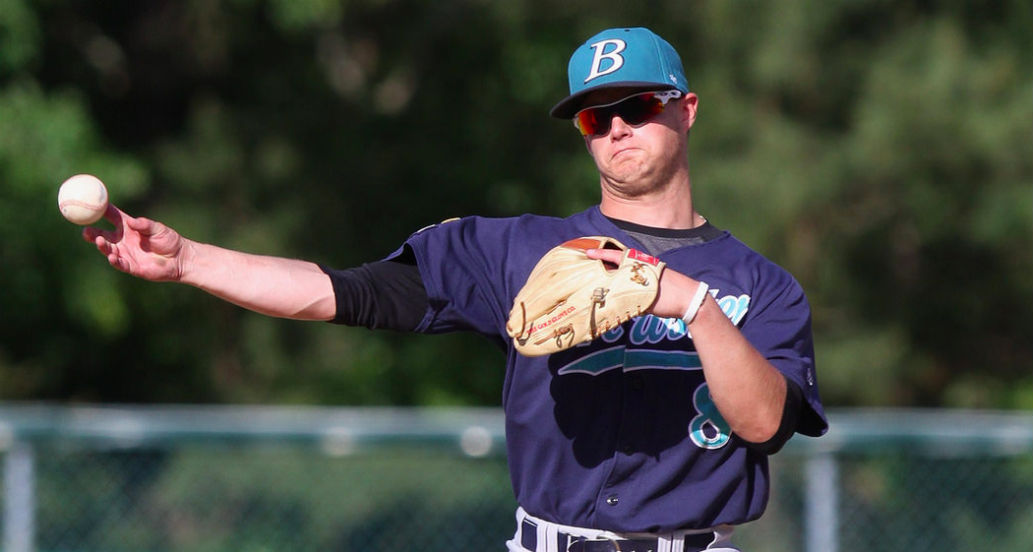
688, 109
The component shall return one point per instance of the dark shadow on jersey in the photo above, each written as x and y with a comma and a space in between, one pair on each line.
617, 412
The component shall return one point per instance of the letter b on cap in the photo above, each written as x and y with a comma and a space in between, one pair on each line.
601, 54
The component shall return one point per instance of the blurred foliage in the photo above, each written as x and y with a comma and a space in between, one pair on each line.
878, 150
222, 498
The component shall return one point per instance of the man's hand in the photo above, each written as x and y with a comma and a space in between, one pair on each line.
140, 246
676, 289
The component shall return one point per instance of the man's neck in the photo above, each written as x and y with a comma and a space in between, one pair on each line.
670, 207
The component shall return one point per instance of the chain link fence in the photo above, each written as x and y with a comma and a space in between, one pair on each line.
272, 479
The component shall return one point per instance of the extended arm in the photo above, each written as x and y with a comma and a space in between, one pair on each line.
273, 286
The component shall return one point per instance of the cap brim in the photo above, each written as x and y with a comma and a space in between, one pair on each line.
569, 106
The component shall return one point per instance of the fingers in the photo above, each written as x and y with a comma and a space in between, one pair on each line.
106, 247
140, 225
110, 251
144, 226
114, 259
113, 214
607, 255
107, 241
118, 218
611, 258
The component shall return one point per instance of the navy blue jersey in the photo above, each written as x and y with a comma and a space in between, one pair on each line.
620, 434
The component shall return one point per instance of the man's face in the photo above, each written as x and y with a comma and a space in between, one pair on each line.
637, 156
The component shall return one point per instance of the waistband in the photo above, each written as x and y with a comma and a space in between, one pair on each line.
539, 535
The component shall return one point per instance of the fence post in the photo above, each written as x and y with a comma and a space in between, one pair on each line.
822, 503
19, 498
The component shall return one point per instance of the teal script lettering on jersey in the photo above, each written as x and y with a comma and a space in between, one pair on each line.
619, 357
650, 330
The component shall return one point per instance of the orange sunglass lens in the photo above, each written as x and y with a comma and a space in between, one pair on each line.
587, 122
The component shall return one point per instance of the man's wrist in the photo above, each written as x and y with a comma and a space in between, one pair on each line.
187, 261
695, 303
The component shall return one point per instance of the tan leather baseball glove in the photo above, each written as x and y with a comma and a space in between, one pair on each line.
570, 299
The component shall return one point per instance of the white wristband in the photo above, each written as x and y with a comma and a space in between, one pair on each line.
696, 303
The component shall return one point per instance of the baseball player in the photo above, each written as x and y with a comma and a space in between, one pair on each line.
652, 437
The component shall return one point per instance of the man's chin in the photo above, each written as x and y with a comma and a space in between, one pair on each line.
631, 188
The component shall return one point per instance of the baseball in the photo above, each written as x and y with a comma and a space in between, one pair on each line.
82, 199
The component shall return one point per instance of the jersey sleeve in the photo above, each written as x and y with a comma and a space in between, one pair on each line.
779, 327
462, 264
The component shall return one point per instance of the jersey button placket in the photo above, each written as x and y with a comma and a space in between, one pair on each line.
632, 396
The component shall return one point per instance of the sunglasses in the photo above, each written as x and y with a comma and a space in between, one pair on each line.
634, 110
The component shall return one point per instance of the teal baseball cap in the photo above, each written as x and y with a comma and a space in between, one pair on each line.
634, 58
